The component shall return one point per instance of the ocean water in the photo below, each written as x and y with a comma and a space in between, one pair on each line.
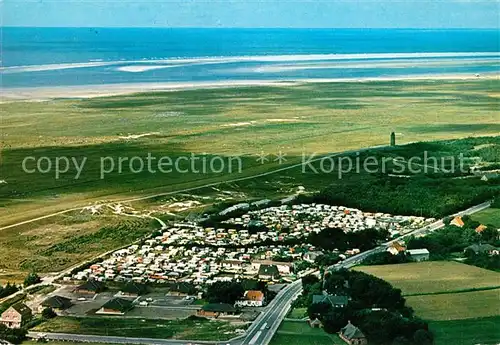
87, 56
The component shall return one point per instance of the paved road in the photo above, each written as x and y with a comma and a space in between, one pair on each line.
264, 327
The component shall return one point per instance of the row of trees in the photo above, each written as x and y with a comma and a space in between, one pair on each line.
8, 290
231, 291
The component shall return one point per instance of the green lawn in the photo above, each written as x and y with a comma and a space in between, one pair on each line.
193, 329
484, 331
490, 216
297, 313
300, 333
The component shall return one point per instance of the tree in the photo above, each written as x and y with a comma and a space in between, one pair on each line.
423, 337
31, 279
401, 341
8, 290
48, 313
224, 292
319, 310
308, 281
12, 335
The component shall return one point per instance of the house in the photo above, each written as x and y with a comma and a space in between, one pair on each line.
16, 316
316, 323
252, 298
312, 256
116, 306
395, 248
283, 267
133, 289
419, 254
334, 301
217, 309
482, 249
268, 272
91, 286
57, 303
481, 228
457, 221
491, 176
352, 335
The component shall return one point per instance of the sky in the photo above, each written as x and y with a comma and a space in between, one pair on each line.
253, 13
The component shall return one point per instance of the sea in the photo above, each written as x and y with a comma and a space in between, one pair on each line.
35, 57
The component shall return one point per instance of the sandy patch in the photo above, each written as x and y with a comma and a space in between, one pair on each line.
137, 136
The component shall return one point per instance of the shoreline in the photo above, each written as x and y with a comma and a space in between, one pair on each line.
46, 93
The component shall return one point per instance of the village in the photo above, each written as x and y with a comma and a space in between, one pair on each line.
168, 275
188, 252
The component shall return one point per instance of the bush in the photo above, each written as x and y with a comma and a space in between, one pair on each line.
32, 279
48, 313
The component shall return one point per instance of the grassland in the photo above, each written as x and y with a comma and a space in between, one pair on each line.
297, 313
466, 332
434, 276
300, 333
456, 306
310, 118
315, 118
199, 329
489, 216
63, 242
459, 318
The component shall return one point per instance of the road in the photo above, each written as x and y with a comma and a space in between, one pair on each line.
265, 326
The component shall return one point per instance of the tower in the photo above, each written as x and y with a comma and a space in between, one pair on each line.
393, 139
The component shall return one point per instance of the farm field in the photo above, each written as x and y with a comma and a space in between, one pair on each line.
193, 329
489, 216
300, 333
456, 306
466, 332
434, 276
311, 118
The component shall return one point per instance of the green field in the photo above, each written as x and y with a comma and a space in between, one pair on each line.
311, 118
489, 216
297, 313
482, 331
443, 290
300, 333
434, 276
199, 329
456, 306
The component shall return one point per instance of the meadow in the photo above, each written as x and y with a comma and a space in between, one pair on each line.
61, 242
489, 216
456, 306
465, 332
300, 333
312, 118
193, 329
434, 277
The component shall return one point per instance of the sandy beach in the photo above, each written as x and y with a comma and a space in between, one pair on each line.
104, 90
